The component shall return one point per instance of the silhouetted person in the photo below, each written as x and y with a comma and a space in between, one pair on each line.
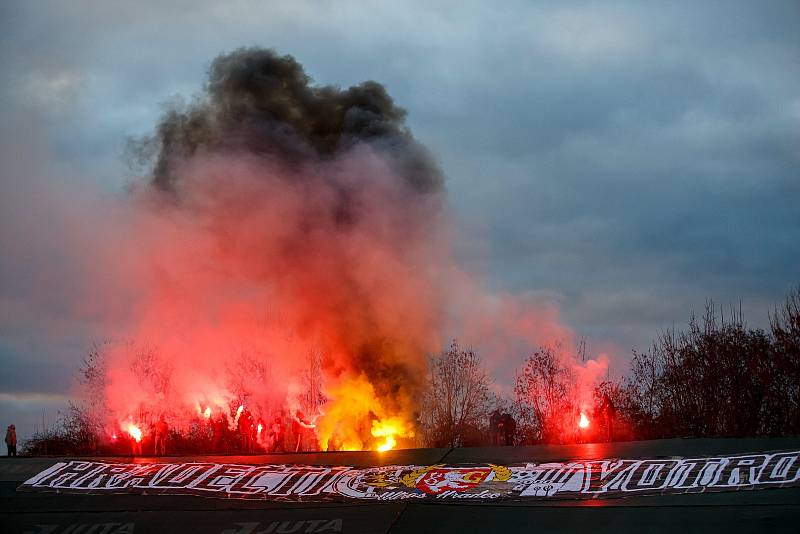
509, 428
218, 428
276, 436
609, 414
11, 440
494, 427
246, 430
299, 427
136, 446
161, 431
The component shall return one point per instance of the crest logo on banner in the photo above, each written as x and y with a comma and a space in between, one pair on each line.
440, 480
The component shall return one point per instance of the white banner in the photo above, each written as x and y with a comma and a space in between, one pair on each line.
585, 479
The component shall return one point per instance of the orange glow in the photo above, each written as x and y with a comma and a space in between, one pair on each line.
583, 422
135, 432
352, 404
388, 444
260, 428
388, 429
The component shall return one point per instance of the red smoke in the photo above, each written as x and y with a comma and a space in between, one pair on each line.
238, 283
288, 251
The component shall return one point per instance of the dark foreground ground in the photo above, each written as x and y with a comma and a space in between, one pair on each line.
773, 510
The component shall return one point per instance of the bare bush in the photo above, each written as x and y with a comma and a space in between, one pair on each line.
544, 396
456, 400
717, 378
785, 330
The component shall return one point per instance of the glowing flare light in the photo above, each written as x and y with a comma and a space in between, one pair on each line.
238, 413
135, 432
388, 444
388, 429
583, 422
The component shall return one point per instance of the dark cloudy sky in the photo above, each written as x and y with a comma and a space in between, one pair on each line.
627, 160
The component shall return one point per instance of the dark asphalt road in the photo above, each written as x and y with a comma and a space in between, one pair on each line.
775, 510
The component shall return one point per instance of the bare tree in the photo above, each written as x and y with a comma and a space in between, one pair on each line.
246, 375
785, 330
456, 400
543, 392
312, 397
153, 372
718, 378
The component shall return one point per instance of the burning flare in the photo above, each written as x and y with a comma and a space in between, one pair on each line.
388, 429
352, 406
583, 422
388, 444
135, 432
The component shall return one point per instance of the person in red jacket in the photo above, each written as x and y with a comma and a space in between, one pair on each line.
11, 440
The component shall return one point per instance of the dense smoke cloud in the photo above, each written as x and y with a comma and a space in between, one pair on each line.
264, 104
315, 203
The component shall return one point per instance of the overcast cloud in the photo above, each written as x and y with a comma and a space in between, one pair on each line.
625, 160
